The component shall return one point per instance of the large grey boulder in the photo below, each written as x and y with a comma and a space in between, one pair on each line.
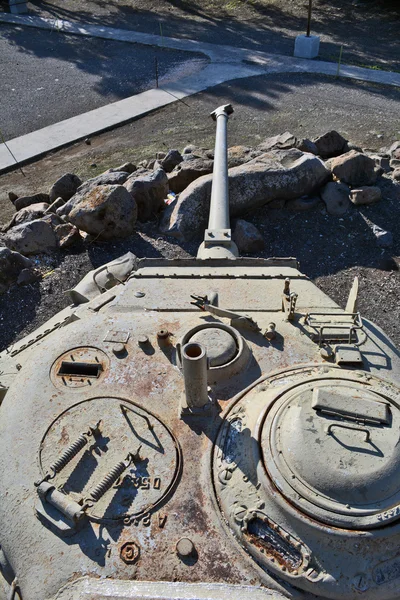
107, 178
65, 187
11, 265
278, 142
254, 184
107, 211
336, 196
239, 155
247, 237
30, 213
330, 144
188, 171
355, 169
34, 237
148, 190
25, 201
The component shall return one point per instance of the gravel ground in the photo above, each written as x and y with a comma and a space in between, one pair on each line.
331, 250
49, 76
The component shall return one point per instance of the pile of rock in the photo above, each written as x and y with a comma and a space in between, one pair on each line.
282, 172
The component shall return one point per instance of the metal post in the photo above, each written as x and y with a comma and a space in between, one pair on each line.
309, 18
217, 240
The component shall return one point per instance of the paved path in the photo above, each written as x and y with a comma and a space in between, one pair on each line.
226, 63
49, 77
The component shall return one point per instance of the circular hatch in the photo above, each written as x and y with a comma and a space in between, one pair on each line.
111, 455
227, 351
332, 449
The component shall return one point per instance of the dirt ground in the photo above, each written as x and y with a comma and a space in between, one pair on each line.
331, 250
367, 29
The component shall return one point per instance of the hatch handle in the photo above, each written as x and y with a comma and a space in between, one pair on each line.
343, 426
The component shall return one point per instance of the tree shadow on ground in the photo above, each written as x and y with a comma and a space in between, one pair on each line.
121, 69
270, 27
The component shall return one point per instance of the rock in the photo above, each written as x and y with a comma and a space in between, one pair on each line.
28, 276
107, 178
278, 142
394, 150
394, 163
106, 211
188, 171
330, 144
12, 197
355, 169
396, 174
382, 162
303, 204
67, 235
306, 145
336, 197
160, 155
148, 190
30, 213
170, 161
239, 155
247, 237
365, 195
52, 219
254, 184
55, 205
127, 167
152, 163
31, 238
189, 149
25, 201
351, 146
384, 238
11, 265
65, 187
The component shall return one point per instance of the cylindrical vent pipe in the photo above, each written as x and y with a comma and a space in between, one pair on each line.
194, 364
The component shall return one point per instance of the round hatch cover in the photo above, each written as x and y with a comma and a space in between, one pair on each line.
220, 345
331, 447
113, 455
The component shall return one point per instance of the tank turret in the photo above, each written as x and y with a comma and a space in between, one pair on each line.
212, 427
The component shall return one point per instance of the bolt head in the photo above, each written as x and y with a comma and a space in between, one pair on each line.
118, 349
185, 548
130, 552
143, 339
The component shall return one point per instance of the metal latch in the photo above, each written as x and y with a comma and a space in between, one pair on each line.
289, 300
237, 320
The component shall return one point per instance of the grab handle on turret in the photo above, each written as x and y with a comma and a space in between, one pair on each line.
218, 238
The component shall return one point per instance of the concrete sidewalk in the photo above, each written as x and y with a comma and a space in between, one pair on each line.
226, 63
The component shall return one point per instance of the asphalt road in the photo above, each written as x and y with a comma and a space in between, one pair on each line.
46, 77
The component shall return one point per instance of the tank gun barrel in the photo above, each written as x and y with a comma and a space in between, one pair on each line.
218, 239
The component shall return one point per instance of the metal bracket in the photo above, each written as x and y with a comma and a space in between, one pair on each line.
237, 320
217, 236
289, 300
